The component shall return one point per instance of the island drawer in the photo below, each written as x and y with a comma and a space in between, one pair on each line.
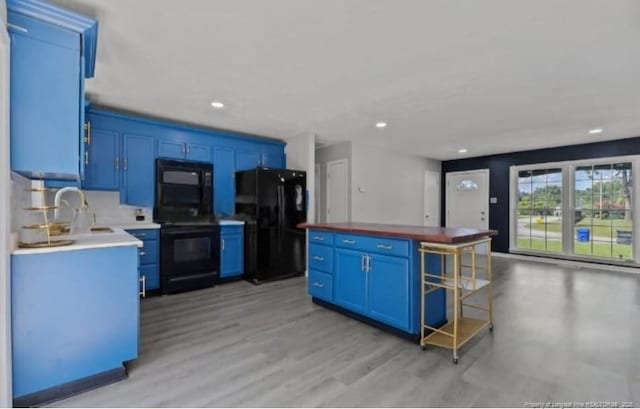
321, 258
374, 244
320, 237
145, 234
320, 285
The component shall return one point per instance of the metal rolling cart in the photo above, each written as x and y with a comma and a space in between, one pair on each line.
463, 281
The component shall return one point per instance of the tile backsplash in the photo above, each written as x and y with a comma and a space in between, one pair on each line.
106, 205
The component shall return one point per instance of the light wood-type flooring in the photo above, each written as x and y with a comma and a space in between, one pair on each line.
562, 334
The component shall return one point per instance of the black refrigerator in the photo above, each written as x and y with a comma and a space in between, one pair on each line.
272, 202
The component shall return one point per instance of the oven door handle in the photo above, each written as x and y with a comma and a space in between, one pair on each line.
176, 233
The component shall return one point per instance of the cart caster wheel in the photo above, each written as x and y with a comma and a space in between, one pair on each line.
491, 327
424, 347
455, 361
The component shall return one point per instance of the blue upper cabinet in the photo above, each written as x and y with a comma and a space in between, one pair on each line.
247, 160
142, 140
139, 170
251, 159
198, 152
176, 149
52, 51
224, 180
103, 161
172, 149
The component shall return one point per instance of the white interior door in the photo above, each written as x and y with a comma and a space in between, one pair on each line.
431, 198
337, 192
468, 199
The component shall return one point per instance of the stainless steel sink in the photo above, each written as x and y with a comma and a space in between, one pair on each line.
101, 230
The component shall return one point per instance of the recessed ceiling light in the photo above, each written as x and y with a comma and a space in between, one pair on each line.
381, 124
217, 104
595, 131
462, 150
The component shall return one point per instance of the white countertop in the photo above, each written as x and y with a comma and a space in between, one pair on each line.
118, 238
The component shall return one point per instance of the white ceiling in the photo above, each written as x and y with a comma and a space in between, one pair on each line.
491, 76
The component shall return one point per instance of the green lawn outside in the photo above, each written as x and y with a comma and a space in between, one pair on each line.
600, 228
583, 249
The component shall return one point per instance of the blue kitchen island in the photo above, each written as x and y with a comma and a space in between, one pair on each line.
75, 313
371, 272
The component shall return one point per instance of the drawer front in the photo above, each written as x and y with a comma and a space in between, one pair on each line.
231, 229
149, 252
145, 234
320, 237
320, 285
374, 244
321, 258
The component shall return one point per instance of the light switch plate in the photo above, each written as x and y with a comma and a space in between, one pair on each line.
493, 200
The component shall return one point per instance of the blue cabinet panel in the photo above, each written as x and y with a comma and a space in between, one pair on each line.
389, 290
321, 258
198, 152
45, 105
139, 170
103, 169
171, 149
270, 160
247, 160
320, 285
350, 281
152, 278
74, 315
224, 186
149, 252
231, 255
320, 237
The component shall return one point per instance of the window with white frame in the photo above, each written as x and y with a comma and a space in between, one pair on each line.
583, 209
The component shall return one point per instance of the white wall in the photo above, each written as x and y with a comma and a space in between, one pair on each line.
387, 187
301, 156
5, 217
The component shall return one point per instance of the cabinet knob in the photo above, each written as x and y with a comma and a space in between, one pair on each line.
142, 253
384, 247
317, 258
222, 244
319, 285
117, 163
349, 241
319, 238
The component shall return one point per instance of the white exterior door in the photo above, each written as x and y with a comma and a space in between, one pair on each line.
431, 198
468, 199
337, 192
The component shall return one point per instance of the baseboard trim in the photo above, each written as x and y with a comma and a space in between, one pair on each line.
66, 390
566, 262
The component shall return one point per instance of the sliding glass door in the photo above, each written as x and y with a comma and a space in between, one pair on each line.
603, 225
581, 209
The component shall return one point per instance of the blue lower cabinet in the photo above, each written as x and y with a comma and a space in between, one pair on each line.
152, 278
376, 277
149, 255
389, 290
74, 315
320, 285
231, 251
350, 280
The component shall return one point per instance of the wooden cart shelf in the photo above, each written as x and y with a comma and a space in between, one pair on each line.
462, 282
467, 328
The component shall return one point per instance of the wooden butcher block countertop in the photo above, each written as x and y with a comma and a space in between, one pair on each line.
445, 235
